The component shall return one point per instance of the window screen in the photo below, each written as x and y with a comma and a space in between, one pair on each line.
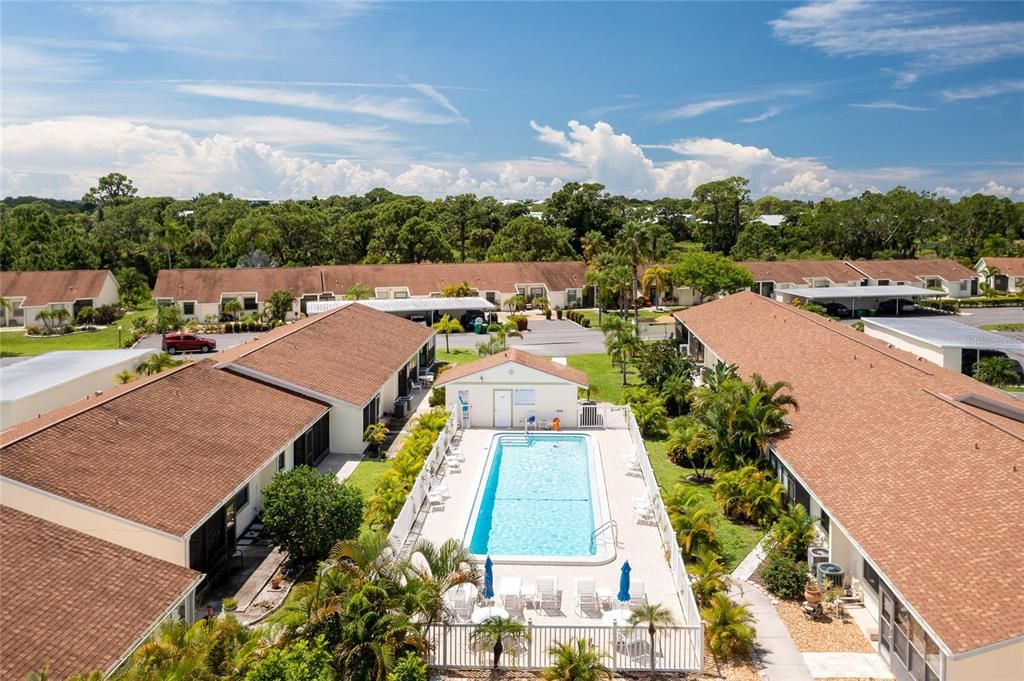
526, 397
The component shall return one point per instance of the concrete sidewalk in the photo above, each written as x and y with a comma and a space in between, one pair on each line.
780, 659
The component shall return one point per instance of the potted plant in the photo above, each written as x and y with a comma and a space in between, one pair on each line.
275, 581
229, 604
812, 592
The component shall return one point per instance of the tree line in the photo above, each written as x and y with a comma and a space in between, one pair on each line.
113, 227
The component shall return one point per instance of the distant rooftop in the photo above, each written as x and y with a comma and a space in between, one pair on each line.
867, 292
55, 368
771, 220
406, 304
948, 334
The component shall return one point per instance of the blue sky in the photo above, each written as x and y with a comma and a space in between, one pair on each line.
296, 99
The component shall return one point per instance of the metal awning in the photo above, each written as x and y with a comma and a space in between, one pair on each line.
407, 305
858, 292
946, 333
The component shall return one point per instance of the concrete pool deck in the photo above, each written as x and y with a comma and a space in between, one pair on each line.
640, 544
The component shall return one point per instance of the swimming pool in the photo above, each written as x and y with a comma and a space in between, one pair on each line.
541, 496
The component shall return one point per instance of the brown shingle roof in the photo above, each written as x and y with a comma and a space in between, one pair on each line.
1013, 267
75, 602
913, 270
933, 490
800, 272
519, 357
207, 285
43, 288
163, 453
347, 353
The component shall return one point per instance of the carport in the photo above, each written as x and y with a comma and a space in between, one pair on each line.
426, 310
860, 299
949, 344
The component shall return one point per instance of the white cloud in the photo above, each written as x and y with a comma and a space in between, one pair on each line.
988, 90
700, 108
768, 113
399, 109
931, 38
889, 105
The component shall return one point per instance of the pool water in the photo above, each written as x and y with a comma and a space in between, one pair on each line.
537, 499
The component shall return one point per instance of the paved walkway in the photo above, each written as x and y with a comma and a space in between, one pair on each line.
749, 565
342, 465
847, 666
780, 659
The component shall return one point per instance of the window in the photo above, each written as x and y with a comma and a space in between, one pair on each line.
536, 292
870, 576
963, 285
242, 498
188, 308
280, 461
526, 397
883, 282
371, 412
570, 296
401, 295
824, 519
249, 303
491, 297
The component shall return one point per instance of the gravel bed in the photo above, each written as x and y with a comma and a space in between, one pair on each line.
826, 636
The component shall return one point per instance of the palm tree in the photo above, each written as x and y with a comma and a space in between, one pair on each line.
358, 291
375, 435
432, 571
689, 439
728, 627
696, 532
793, 532
231, 307
612, 276
495, 632
154, 364
707, 577
996, 371
654, 615
576, 660
660, 278
515, 303
374, 634
620, 342
447, 325
124, 376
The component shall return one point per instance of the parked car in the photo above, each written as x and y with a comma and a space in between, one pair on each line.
837, 310
890, 306
188, 342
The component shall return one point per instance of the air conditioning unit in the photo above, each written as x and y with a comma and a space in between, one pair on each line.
831, 573
816, 555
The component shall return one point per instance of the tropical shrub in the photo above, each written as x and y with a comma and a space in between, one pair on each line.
437, 396
749, 494
648, 410
498, 632
306, 512
793, 532
576, 660
375, 435
996, 371
558, 313
138, 323
783, 576
521, 322
728, 627
107, 314
229, 604
692, 520
493, 327
707, 577
301, 660
86, 315
409, 668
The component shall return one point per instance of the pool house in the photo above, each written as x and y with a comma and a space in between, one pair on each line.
571, 519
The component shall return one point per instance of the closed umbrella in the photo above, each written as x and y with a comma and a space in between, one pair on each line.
489, 579
624, 583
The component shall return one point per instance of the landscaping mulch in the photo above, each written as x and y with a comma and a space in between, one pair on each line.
825, 636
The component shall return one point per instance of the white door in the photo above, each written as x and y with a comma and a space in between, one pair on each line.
502, 408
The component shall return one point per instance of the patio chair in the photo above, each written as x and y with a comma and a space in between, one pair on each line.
547, 591
439, 488
632, 466
462, 605
453, 465
511, 594
587, 602
637, 594
436, 501
644, 516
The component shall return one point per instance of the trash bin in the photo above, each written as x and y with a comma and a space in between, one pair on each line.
400, 405
479, 327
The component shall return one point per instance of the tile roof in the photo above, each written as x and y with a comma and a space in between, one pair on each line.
909, 270
162, 452
43, 288
1013, 267
206, 285
347, 353
73, 601
930, 488
800, 272
519, 357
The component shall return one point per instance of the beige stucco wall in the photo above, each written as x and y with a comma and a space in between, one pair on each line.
94, 523
347, 429
1000, 663
555, 397
110, 294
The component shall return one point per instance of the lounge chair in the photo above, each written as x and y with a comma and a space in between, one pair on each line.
453, 465
462, 604
644, 516
637, 595
511, 594
436, 501
587, 602
547, 592
439, 488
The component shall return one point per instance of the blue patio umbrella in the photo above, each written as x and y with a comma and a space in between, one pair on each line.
489, 578
624, 583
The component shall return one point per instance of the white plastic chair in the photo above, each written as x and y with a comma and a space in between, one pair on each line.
637, 595
586, 597
547, 591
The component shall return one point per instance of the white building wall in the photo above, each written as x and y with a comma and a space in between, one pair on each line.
347, 429
554, 397
94, 523
932, 353
110, 293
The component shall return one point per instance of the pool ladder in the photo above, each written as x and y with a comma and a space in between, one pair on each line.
601, 529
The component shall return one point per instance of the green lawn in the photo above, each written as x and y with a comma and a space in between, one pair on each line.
737, 540
605, 378
366, 474
1011, 326
15, 343
457, 355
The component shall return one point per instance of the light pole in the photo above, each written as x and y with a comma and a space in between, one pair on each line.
118, 336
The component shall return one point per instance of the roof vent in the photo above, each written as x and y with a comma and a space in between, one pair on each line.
992, 406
